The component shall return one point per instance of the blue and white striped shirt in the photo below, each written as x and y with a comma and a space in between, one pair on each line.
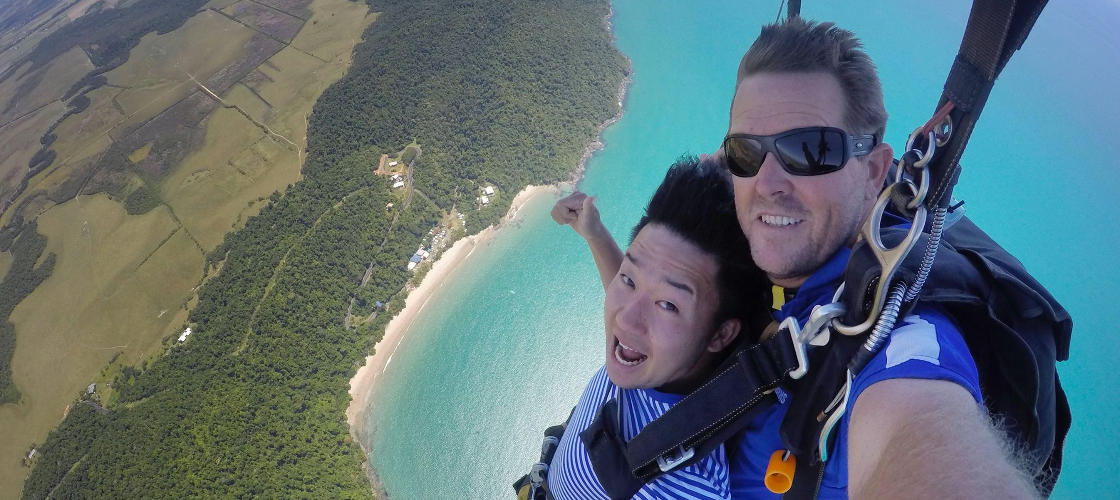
570, 476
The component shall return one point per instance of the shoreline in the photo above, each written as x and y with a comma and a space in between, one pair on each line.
447, 264
365, 379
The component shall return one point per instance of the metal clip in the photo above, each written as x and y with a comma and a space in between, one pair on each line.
890, 259
817, 328
538, 473
671, 460
790, 324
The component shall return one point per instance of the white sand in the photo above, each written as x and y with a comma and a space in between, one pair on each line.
363, 382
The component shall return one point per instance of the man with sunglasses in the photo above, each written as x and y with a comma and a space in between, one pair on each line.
805, 150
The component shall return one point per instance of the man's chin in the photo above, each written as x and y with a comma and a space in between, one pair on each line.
775, 262
622, 380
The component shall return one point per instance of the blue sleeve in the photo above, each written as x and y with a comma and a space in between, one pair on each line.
923, 345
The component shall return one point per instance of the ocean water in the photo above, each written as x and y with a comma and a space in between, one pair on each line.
504, 348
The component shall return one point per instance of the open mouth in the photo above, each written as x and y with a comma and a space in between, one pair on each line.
778, 220
626, 355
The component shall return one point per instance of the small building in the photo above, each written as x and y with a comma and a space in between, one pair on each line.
484, 199
489, 190
392, 164
414, 261
92, 387
398, 184
186, 333
31, 454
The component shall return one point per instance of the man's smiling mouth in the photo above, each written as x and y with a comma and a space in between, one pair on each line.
627, 356
778, 220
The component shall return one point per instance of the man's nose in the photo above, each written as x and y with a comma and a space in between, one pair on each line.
630, 315
772, 178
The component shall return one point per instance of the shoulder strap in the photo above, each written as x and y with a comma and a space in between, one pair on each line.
695, 426
996, 29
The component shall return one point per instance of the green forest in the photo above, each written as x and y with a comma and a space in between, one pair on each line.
504, 93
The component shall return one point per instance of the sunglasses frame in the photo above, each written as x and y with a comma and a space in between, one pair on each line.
859, 145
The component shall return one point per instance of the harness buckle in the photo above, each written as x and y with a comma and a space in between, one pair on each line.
819, 325
673, 458
538, 473
791, 326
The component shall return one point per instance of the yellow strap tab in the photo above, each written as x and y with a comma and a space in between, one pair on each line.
779, 294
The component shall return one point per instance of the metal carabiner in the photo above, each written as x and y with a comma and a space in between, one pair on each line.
799, 349
815, 333
931, 147
890, 259
816, 329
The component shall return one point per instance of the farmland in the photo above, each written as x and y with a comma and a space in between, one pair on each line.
147, 179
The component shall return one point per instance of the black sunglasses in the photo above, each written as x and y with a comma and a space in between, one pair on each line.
801, 151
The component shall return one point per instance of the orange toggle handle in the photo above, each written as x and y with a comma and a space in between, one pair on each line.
779, 474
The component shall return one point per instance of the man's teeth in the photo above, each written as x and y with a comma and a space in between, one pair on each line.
622, 351
779, 220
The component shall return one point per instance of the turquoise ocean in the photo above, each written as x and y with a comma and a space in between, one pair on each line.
504, 348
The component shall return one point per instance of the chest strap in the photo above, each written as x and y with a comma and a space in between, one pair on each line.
687, 432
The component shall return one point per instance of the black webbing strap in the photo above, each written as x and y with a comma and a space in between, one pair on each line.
696, 425
807, 477
756, 371
996, 29
793, 8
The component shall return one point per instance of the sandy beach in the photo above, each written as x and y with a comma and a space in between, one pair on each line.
363, 382
450, 260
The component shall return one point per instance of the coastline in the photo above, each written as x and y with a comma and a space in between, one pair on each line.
446, 265
365, 379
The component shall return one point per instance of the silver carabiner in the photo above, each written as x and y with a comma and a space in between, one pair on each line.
799, 350
931, 147
816, 329
890, 259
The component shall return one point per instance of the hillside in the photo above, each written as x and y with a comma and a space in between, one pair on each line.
491, 93
134, 135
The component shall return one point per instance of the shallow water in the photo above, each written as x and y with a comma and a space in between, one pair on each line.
504, 348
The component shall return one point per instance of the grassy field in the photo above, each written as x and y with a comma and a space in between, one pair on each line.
123, 283
154, 78
5, 262
237, 165
218, 187
117, 287
155, 75
48, 84
19, 141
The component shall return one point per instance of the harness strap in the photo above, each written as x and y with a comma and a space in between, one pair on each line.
807, 477
995, 30
696, 425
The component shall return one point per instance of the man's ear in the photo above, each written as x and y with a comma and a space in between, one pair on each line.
878, 164
725, 335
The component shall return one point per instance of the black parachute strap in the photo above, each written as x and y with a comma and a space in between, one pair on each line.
793, 11
696, 425
995, 30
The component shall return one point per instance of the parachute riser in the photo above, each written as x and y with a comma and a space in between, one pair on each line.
891, 295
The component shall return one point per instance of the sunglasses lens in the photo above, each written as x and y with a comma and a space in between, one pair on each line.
812, 152
744, 156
